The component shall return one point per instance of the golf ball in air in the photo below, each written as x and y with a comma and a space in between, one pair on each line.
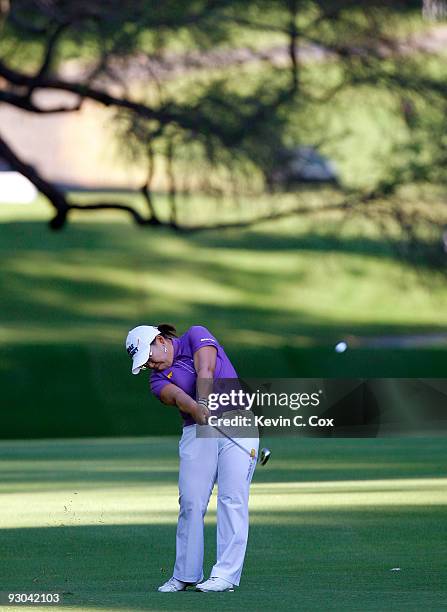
341, 347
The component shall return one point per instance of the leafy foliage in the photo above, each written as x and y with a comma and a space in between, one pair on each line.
225, 85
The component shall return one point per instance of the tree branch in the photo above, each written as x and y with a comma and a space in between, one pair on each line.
293, 44
53, 194
146, 189
192, 120
51, 47
348, 204
25, 103
63, 206
56, 196
139, 219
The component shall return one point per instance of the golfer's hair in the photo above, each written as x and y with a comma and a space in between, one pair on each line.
167, 330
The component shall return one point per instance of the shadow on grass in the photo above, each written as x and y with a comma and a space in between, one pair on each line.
69, 298
329, 559
56, 465
108, 237
324, 555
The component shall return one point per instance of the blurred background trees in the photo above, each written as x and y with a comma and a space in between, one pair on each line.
213, 94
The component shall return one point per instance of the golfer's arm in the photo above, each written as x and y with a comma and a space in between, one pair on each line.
205, 366
174, 396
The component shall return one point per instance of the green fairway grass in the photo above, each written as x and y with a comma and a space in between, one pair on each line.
330, 519
278, 296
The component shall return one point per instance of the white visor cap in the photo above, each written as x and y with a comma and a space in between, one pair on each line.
138, 345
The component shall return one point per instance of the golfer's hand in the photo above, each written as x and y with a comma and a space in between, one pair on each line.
200, 414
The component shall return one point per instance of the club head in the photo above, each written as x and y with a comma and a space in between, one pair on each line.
264, 455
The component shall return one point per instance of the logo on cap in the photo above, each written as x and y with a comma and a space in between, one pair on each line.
131, 350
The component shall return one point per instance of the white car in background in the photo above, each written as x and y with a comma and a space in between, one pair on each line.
14, 187
301, 165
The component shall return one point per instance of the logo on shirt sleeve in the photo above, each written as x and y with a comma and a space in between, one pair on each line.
205, 339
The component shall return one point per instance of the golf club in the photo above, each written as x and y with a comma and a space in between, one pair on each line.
263, 456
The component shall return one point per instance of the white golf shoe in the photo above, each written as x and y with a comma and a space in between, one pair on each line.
214, 585
173, 585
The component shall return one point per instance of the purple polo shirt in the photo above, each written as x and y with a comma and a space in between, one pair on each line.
182, 372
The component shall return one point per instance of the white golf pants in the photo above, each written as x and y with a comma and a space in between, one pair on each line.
203, 461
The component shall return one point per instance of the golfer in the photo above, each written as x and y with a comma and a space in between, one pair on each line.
182, 371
